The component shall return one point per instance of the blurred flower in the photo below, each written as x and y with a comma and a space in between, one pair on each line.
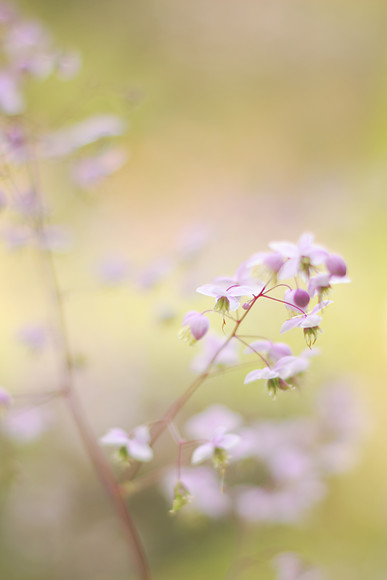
26, 425
137, 444
197, 326
300, 256
66, 141
228, 356
90, 171
204, 488
227, 292
33, 335
290, 567
213, 425
112, 270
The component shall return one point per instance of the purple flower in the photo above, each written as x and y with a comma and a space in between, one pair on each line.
213, 424
228, 292
297, 299
285, 368
272, 261
311, 320
336, 265
137, 444
198, 325
205, 490
300, 256
228, 356
273, 350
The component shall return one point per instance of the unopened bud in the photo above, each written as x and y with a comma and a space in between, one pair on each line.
336, 265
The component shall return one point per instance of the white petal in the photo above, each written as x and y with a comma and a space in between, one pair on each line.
202, 453
139, 451
229, 441
115, 437
265, 373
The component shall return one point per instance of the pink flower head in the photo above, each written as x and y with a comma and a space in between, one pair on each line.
299, 257
213, 425
336, 265
273, 350
228, 292
272, 261
228, 356
310, 320
137, 445
285, 368
297, 299
319, 284
204, 488
198, 324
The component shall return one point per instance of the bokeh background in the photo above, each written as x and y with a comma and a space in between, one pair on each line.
250, 121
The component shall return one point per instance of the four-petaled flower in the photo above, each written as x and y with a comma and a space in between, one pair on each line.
137, 445
300, 256
228, 292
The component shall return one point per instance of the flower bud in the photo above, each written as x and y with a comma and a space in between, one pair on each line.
301, 298
336, 265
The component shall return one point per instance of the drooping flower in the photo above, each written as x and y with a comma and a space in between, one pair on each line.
228, 293
297, 299
213, 344
336, 265
300, 257
279, 375
137, 445
213, 425
197, 326
306, 321
273, 350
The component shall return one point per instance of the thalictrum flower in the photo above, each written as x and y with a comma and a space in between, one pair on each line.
336, 265
273, 350
285, 368
297, 299
137, 444
310, 320
213, 425
197, 324
300, 256
228, 356
228, 292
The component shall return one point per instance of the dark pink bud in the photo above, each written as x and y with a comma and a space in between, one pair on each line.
336, 265
301, 298
246, 305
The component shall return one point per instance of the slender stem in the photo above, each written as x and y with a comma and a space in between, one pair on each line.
89, 440
174, 409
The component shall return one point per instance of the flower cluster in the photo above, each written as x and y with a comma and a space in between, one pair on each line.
276, 470
309, 271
